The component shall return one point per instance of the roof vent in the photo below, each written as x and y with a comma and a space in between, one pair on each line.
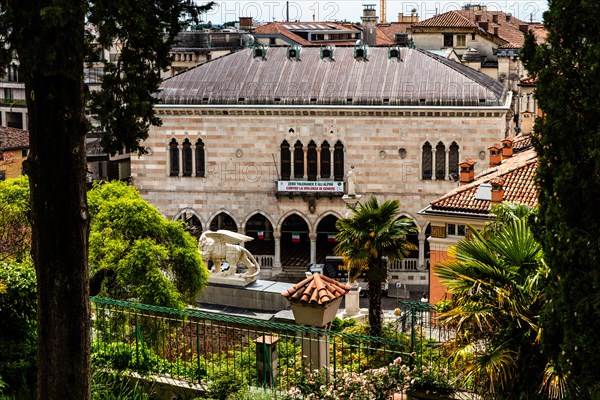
484, 192
360, 51
394, 53
293, 53
259, 51
402, 39
327, 53
471, 55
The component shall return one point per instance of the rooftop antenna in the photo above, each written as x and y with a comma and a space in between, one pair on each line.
287, 11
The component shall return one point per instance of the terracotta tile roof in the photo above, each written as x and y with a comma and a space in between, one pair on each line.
386, 33
516, 175
521, 143
450, 19
528, 81
13, 139
539, 31
508, 27
316, 289
421, 79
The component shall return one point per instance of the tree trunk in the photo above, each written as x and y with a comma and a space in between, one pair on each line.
375, 313
51, 56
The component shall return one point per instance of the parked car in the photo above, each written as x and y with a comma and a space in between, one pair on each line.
334, 268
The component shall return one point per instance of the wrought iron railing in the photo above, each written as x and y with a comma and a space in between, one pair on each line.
194, 347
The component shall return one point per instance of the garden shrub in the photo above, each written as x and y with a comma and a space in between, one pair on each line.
18, 319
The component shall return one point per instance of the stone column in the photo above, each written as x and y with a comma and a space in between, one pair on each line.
433, 162
447, 171
305, 172
180, 151
422, 239
318, 163
313, 247
277, 258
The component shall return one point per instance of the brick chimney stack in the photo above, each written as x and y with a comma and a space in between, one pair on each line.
467, 171
497, 190
495, 155
507, 148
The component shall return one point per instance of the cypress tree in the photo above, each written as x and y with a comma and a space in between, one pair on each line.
567, 140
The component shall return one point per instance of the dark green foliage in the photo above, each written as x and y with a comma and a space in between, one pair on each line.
338, 325
135, 253
15, 231
18, 334
111, 385
499, 283
567, 68
374, 232
48, 38
144, 32
226, 386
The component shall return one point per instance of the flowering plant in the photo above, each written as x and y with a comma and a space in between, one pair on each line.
372, 384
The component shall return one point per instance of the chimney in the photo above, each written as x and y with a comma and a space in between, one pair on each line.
467, 171
495, 18
245, 23
483, 25
495, 155
477, 17
495, 31
412, 18
497, 190
524, 28
507, 148
508, 17
369, 22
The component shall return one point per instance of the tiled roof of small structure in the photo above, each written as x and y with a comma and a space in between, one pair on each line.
521, 142
418, 79
316, 289
13, 138
450, 19
287, 29
386, 33
518, 173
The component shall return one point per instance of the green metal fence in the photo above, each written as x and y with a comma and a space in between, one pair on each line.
195, 347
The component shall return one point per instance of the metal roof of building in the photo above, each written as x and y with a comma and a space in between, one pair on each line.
418, 78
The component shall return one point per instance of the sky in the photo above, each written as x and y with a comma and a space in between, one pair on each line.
351, 10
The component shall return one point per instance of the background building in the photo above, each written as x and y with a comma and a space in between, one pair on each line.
509, 176
14, 149
261, 142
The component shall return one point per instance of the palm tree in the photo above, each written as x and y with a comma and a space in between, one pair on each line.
497, 283
374, 233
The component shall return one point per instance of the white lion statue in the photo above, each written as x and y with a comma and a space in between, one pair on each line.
224, 245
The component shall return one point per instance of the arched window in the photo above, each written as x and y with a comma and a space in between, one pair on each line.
325, 161
174, 158
427, 161
453, 161
200, 159
298, 160
286, 161
338, 161
311, 160
440, 161
187, 158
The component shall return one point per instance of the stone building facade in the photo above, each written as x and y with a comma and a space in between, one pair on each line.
263, 144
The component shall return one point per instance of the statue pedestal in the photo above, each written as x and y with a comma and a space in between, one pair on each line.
260, 295
233, 280
352, 301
